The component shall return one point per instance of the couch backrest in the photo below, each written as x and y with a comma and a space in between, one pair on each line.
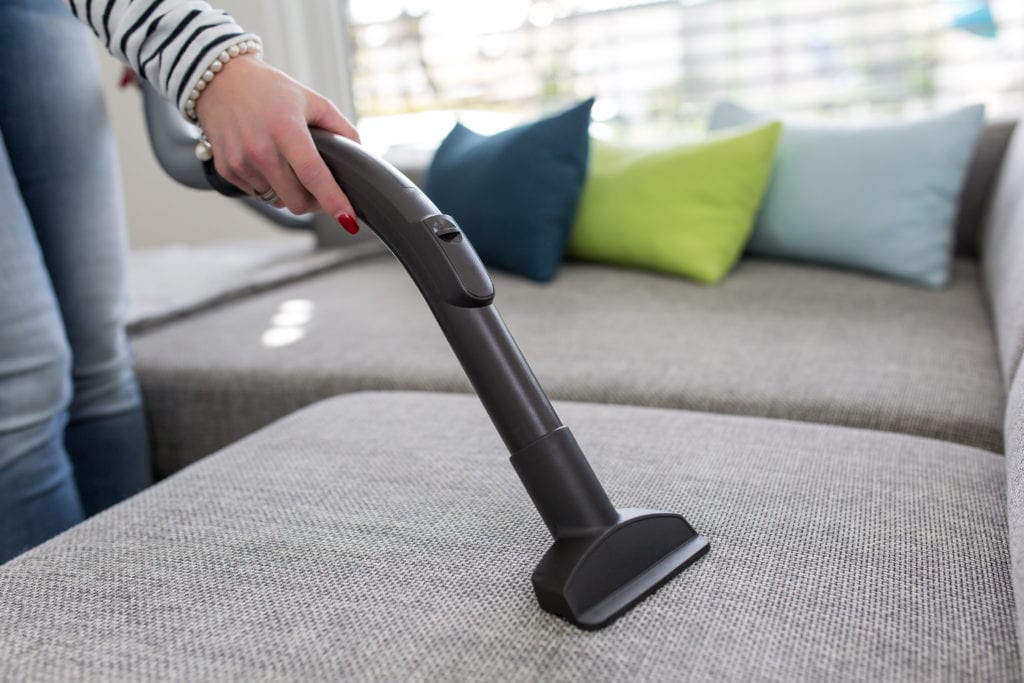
1002, 256
981, 176
1014, 435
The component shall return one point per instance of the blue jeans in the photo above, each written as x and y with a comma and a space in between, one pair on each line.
72, 433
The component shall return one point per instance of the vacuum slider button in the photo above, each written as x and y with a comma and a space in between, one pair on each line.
445, 228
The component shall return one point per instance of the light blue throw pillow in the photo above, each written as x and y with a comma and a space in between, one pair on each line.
880, 198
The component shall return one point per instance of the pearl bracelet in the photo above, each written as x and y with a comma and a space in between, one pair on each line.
244, 47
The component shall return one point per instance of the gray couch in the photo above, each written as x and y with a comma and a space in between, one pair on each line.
852, 447
775, 339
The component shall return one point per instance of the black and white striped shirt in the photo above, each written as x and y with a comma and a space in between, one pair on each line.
167, 42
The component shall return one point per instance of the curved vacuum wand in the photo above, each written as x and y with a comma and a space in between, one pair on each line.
603, 560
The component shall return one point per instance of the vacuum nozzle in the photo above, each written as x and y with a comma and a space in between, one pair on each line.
592, 580
603, 560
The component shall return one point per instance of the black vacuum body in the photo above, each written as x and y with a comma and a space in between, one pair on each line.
603, 560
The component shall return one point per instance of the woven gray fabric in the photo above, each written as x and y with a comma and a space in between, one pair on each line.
385, 537
774, 339
981, 176
171, 282
1002, 257
1015, 491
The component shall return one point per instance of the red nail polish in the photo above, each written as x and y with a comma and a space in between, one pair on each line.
348, 222
128, 77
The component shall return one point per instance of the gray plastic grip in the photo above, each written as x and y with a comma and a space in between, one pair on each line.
173, 140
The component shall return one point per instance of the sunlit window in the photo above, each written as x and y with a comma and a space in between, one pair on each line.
655, 67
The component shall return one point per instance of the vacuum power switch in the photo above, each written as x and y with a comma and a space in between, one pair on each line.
445, 228
471, 278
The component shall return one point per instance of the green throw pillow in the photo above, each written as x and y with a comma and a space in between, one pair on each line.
686, 210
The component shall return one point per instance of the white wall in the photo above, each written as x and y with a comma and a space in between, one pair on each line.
302, 37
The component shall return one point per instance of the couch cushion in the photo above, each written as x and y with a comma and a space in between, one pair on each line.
170, 282
385, 537
774, 339
1015, 491
1002, 256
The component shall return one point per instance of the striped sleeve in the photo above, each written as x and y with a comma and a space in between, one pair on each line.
167, 42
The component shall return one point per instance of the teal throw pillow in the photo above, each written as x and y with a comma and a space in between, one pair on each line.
878, 198
515, 193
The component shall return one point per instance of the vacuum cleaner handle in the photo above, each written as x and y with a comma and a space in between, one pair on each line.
429, 244
454, 283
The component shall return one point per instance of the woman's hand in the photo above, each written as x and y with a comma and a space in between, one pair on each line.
257, 120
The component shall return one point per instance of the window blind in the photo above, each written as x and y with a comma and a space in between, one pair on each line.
656, 67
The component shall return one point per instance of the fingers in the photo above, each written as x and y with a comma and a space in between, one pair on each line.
293, 195
325, 115
310, 170
284, 158
256, 166
238, 174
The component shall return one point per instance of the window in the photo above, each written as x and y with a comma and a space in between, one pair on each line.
655, 67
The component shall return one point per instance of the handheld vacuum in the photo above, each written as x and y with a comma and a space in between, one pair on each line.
603, 560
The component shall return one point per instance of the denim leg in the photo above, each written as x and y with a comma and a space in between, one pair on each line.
37, 492
62, 153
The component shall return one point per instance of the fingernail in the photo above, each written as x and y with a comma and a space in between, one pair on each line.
348, 222
128, 77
